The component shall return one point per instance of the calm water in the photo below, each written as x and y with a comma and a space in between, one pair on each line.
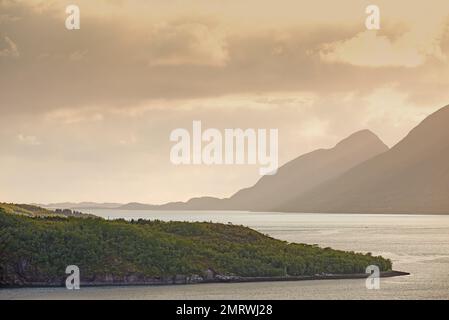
416, 244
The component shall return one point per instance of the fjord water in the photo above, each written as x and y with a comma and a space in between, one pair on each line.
418, 244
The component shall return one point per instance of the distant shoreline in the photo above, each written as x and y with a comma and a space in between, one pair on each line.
256, 212
218, 279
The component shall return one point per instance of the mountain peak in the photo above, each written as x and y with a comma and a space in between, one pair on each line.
411, 177
362, 138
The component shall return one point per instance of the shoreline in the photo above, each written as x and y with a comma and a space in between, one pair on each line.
182, 280
258, 212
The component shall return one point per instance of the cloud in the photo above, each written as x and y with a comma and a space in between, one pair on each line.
28, 140
373, 50
445, 39
8, 48
78, 55
101, 101
8, 18
111, 63
187, 43
75, 115
131, 140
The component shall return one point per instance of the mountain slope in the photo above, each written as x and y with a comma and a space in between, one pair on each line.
412, 177
308, 171
293, 178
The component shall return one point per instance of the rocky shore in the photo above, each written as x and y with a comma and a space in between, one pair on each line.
133, 280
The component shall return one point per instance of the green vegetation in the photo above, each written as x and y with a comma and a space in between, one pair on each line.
35, 211
40, 248
27, 210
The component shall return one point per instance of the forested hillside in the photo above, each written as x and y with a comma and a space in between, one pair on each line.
37, 250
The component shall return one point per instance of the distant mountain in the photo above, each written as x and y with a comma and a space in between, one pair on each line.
412, 177
136, 206
203, 203
359, 175
308, 171
80, 205
293, 178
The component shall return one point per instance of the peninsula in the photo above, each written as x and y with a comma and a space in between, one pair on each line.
35, 250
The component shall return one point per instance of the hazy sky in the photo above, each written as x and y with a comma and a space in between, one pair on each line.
86, 114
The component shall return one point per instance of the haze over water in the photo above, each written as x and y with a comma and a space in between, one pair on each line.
418, 244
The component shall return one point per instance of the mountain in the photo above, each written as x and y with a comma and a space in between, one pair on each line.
293, 178
412, 177
308, 171
136, 206
201, 203
80, 205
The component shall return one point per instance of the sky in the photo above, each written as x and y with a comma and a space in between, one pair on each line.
86, 115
